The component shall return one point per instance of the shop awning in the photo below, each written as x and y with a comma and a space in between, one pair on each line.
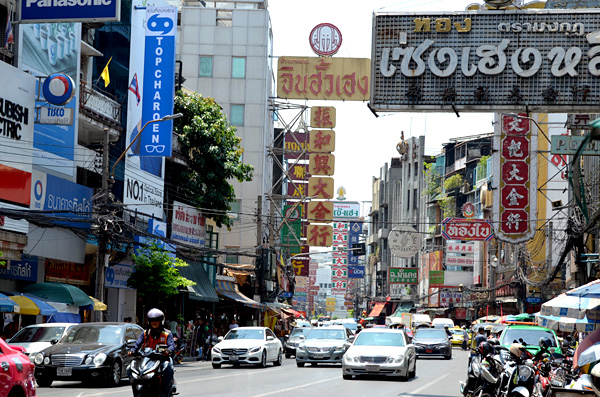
403, 307
377, 309
231, 291
203, 290
291, 312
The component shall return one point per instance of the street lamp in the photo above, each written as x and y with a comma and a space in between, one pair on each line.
165, 118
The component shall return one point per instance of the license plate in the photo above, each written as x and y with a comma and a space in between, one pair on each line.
372, 368
317, 356
64, 371
428, 350
234, 358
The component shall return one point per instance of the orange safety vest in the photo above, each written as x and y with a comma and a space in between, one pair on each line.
151, 342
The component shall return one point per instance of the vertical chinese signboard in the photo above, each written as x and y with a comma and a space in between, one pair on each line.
515, 205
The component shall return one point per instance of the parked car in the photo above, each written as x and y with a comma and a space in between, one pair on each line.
17, 370
530, 334
88, 352
37, 337
293, 340
248, 345
385, 352
324, 345
432, 342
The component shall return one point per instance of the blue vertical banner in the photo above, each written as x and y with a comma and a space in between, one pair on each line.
354, 232
159, 80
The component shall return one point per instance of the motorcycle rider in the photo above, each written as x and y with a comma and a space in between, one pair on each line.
154, 335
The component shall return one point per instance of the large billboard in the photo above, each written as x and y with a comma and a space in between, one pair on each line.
45, 49
543, 60
69, 11
144, 175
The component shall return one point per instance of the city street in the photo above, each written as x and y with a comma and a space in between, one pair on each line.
436, 377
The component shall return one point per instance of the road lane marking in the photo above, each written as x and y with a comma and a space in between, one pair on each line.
296, 387
420, 389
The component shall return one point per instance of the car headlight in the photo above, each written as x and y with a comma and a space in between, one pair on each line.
340, 349
39, 359
88, 360
351, 358
216, 350
302, 347
255, 349
395, 359
99, 359
46, 360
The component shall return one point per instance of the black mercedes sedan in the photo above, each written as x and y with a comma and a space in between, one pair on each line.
88, 352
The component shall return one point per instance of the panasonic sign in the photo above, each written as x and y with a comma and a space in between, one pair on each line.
69, 10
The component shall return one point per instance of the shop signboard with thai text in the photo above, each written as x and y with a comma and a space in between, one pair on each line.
542, 60
399, 275
467, 229
24, 270
188, 225
67, 272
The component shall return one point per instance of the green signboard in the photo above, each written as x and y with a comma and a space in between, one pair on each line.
436, 277
291, 230
398, 275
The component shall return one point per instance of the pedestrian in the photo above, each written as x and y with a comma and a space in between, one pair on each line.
233, 324
127, 319
481, 337
465, 337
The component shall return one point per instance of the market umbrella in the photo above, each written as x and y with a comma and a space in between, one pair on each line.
58, 292
588, 350
589, 290
572, 306
8, 306
567, 324
100, 306
33, 306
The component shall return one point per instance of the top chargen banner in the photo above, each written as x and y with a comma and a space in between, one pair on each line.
69, 10
508, 60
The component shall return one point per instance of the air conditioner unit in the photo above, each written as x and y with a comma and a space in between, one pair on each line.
486, 196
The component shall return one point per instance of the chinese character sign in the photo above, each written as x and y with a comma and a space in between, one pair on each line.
321, 164
515, 202
321, 188
320, 211
322, 141
320, 235
322, 117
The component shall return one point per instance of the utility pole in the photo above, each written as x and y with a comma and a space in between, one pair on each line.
101, 257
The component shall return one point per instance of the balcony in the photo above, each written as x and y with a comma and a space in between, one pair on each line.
97, 113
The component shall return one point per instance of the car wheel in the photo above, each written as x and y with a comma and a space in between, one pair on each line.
347, 377
179, 359
288, 355
216, 366
299, 364
449, 356
263, 361
279, 360
413, 373
43, 381
114, 376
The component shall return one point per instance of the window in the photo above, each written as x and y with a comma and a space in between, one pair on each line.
416, 199
206, 66
232, 258
238, 68
237, 115
224, 18
408, 200
416, 168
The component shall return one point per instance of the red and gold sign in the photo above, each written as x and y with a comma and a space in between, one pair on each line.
343, 79
298, 172
517, 167
319, 235
320, 211
297, 190
67, 272
322, 117
320, 187
322, 141
321, 164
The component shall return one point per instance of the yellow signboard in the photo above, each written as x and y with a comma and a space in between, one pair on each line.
346, 79
320, 211
322, 117
321, 164
319, 235
322, 141
330, 304
320, 188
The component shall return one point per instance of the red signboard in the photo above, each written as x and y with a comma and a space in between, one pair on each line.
467, 229
15, 185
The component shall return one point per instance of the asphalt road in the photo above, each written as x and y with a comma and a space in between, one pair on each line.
436, 377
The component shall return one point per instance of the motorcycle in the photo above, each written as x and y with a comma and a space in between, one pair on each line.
518, 378
473, 374
146, 372
179, 350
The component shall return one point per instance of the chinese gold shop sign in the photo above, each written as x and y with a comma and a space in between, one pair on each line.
324, 78
515, 205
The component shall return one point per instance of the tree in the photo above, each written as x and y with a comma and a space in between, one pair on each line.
156, 276
214, 156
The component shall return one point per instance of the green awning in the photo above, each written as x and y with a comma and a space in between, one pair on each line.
403, 307
203, 290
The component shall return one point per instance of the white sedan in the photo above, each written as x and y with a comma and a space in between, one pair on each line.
380, 351
248, 345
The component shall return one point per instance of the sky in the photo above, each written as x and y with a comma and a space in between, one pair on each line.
365, 143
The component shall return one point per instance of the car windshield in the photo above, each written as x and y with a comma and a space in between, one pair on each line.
245, 334
431, 334
38, 334
106, 335
324, 333
457, 331
379, 339
529, 336
300, 331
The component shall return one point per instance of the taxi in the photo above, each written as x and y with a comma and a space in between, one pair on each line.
457, 336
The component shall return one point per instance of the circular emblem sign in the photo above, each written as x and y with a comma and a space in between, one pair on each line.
468, 210
58, 89
325, 39
404, 241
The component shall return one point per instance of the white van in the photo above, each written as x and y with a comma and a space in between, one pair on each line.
441, 322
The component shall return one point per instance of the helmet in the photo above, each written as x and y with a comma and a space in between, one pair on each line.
446, 326
485, 348
545, 342
464, 327
494, 341
516, 350
155, 314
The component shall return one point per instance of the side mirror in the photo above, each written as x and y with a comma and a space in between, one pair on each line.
270, 338
351, 338
130, 343
54, 341
301, 337
220, 338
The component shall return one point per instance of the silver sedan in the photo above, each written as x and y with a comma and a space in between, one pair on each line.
380, 351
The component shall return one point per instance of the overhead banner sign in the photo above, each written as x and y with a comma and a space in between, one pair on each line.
467, 229
69, 11
401, 275
542, 60
566, 144
188, 225
342, 79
